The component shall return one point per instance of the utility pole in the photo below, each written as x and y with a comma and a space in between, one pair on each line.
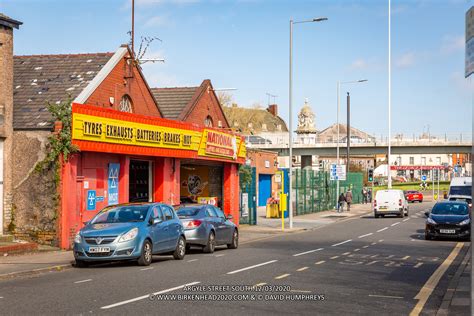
133, 28
348, 132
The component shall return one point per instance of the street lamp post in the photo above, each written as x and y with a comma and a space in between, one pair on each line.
389, 184
290, 112
337, 123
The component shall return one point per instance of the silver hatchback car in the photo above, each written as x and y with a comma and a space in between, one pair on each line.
130, 232
206, 226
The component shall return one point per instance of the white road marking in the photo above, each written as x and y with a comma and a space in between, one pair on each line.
413, 216
385, 296
355, 250
334, 257
394, 224
406, 219
192, 260
306, 252
82, 281
219, 255
365, 247
320, 262
381, 230
148, 295
144, 269
282, 276
372, 262
302, 269
419, 264
380, 240
260, 284
346, 253
374, 243
1, 297
346, 241
251, 267
362, 236
405, 258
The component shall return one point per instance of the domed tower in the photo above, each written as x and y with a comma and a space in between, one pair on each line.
306, 131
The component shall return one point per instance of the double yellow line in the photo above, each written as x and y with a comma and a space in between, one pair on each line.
433, 281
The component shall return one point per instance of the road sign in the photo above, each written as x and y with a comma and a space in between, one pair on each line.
423, 178
90, 202
337, 172
113, 182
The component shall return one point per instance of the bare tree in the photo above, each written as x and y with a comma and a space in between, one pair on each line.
225, 98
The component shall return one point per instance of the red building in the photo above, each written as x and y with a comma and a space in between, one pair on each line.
129, 150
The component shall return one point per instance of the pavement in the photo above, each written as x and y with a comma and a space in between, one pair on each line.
354, 265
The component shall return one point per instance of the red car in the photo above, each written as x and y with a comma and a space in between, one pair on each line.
413, 196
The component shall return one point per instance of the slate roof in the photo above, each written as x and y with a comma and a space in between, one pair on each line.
9, 22
240, 117
331, 132
39, 79
173, 101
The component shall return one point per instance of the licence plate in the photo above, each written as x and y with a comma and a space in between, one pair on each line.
99, 249
382, 208
447, 231
415, 196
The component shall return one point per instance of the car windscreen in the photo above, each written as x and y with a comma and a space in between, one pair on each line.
456, 199
122, 214
460, 190
188, 211
450, 209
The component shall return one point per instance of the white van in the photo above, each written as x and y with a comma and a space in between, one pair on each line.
460, 187
390, 202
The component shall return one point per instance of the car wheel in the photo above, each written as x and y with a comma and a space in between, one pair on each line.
211, 243
235, 240
180, 250
147, 254
427, 236
376, 215
401, 214
81, 264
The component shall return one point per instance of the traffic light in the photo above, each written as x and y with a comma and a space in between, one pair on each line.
370, 175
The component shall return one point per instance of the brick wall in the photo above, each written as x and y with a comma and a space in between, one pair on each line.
125, 79
207, 105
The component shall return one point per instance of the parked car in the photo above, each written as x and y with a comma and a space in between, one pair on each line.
206, 226
450, 219
133, 231
460, 187
390, 202
414, 196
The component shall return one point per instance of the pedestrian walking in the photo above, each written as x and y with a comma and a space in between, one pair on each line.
364, 195
349, 199
340, 203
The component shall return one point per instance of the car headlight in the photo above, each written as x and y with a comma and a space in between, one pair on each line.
130, 235
465, 222
78, 238
431, 221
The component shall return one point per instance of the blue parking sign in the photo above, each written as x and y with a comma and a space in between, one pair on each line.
423, 178
90, 200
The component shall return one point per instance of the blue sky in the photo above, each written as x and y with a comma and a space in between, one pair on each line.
244, 45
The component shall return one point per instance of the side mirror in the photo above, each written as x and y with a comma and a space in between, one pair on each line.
156, 221
229, 216
85, 223
427, 213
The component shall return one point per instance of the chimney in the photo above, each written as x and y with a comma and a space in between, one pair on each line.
273, 108
6, 117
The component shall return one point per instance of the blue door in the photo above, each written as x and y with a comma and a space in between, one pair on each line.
264, 188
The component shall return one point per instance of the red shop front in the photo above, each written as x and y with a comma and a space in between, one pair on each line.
126, 157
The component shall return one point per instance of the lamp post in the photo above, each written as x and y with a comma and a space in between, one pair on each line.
290, 112
339, 83
389, 184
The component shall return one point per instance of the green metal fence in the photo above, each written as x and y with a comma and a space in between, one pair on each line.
315, 192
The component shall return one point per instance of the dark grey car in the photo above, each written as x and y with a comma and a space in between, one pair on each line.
207, 226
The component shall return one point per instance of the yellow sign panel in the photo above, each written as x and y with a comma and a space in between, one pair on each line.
210, 143
100, 129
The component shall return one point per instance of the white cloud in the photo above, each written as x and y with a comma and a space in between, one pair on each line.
158, 20
452, 43
359, 64
406, 60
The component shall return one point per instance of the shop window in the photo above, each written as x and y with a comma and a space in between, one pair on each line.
125, 104
412, 160
208, 121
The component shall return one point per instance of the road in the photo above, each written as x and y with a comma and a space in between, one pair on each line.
360, 265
